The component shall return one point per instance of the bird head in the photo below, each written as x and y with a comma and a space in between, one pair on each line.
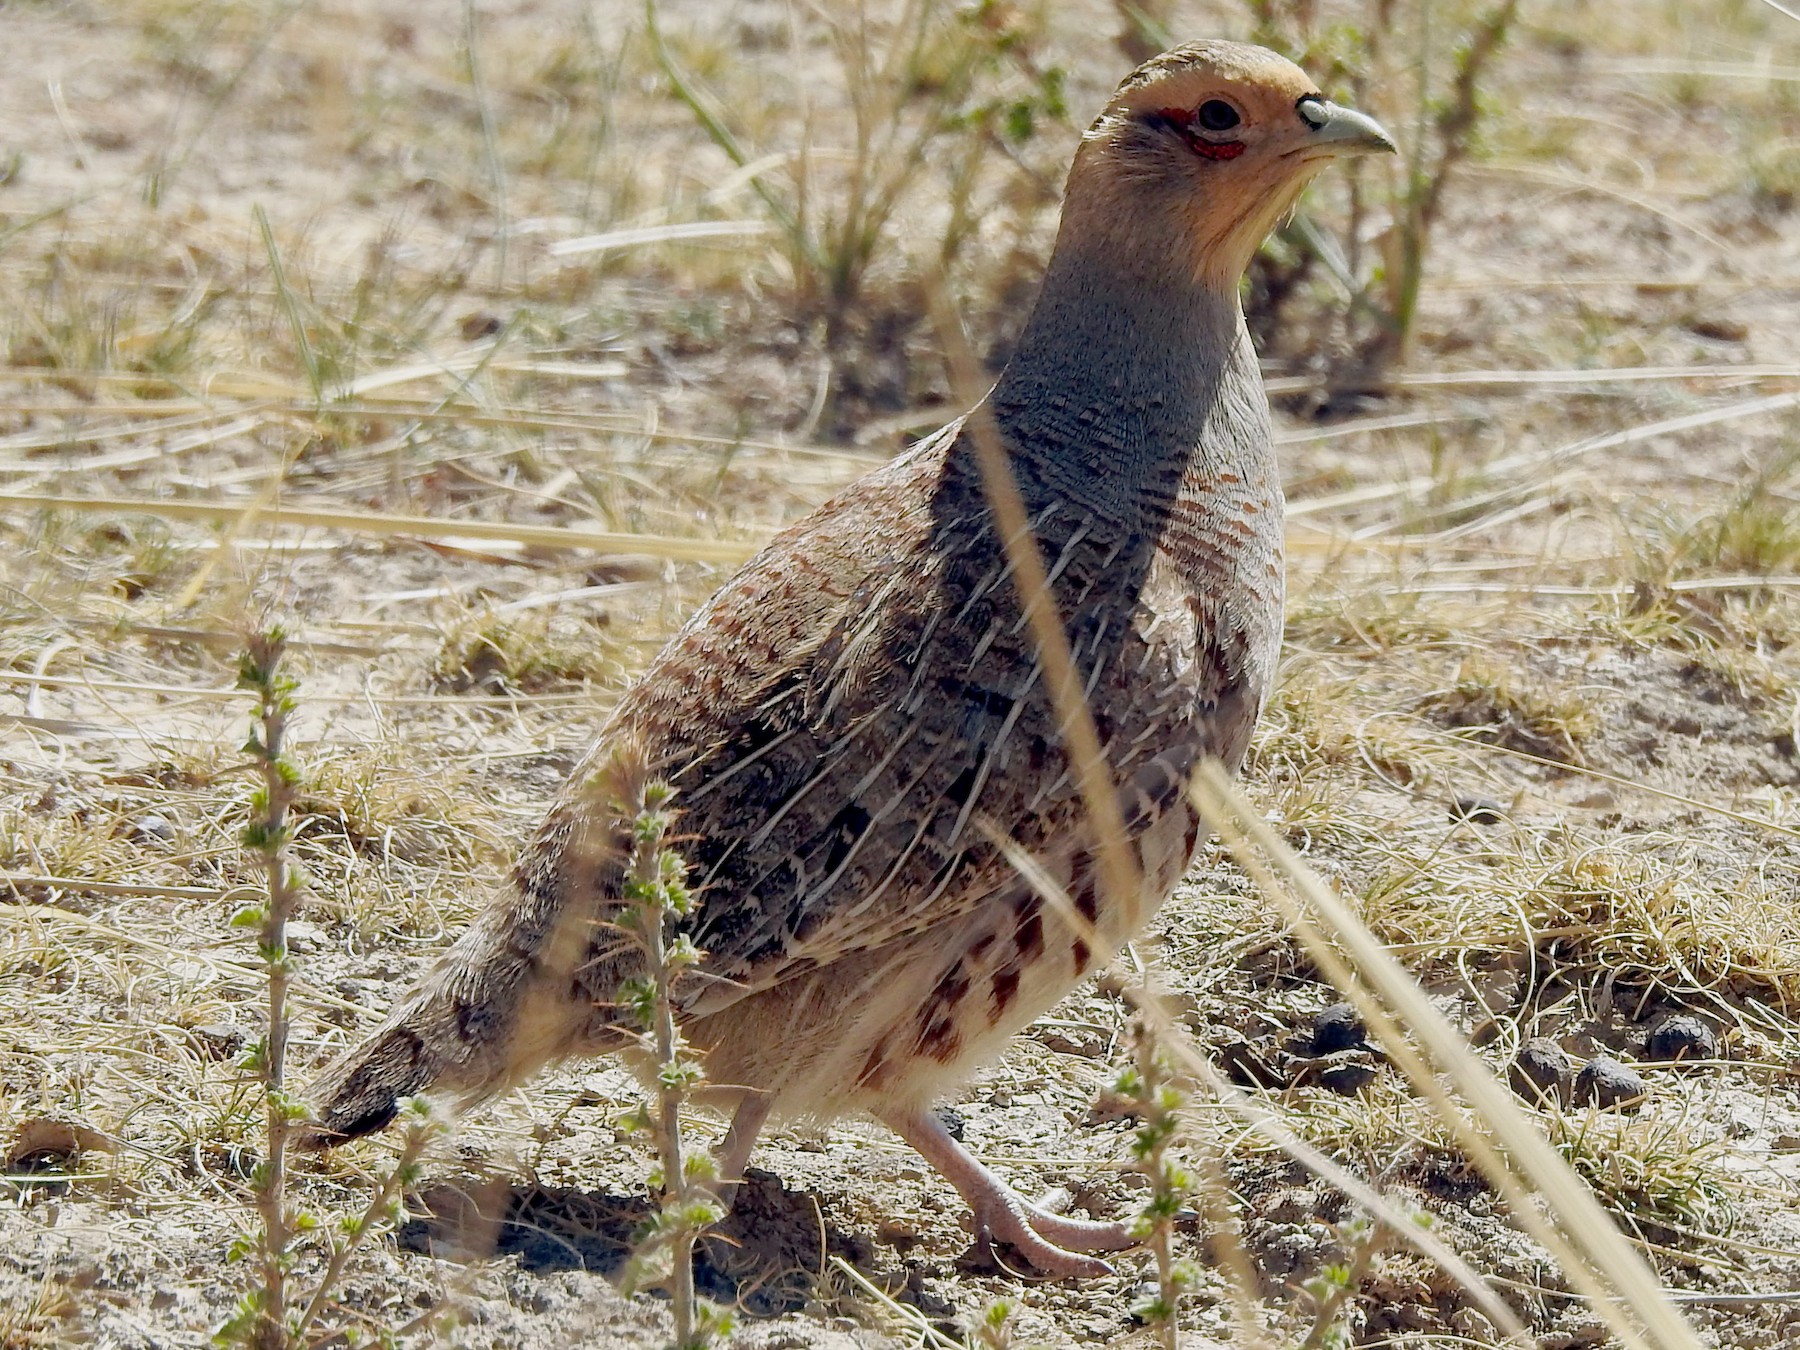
1214, 140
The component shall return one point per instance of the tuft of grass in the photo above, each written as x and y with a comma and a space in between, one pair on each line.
1656, 1171
1773, 176
528, 654
1492, 701
377, 802
936, 93
1756, 533
41, 1322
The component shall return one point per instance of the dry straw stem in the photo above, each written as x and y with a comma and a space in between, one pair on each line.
1584, 1241
1633, 784
385, 525
1543, 462
914, 1321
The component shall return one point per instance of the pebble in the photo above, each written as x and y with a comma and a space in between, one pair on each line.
1087, 1042
1338, 1027
1146, 1292
1477, 811
1541, 1067
1247, 1068
1347, 1077
219, 1040
303, 937
152, 828
952, 1120
1682, 1037
1603, 1081
479, 324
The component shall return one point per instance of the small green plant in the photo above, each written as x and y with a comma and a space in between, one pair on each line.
262, 1317
267, 1317
1757, 531
936, 92
1444, 57
1773, 176
1333, 1287
1147, 1083
656, 898
994, 1332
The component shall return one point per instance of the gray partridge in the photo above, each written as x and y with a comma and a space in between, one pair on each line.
855, 717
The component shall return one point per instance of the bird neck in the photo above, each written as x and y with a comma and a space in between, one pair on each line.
1131, 372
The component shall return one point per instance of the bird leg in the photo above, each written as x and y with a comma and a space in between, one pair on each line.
734, 1153
1051, 1242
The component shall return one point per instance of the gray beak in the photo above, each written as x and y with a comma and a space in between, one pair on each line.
1343, 131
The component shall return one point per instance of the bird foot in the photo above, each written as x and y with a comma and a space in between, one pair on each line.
1053, 1244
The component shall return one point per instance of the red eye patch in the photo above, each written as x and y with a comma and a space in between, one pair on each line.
1182, 119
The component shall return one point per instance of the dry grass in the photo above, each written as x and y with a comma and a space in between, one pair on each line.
1556, 570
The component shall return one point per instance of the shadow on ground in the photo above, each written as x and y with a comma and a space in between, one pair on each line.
764, 1259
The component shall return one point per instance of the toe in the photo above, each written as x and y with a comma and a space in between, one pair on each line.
1044, 1255
1082, 1235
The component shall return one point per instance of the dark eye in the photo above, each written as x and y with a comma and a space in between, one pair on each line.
1217, 115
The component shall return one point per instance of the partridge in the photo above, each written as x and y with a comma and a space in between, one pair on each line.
857, 719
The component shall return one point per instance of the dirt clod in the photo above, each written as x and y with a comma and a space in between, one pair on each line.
1339, 1027
1541, 1069
1682, 1037
1604, 1081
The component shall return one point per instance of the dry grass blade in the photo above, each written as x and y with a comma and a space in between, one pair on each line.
1633, 784
1526, 464
18, 882
1591, 1250
228, 969
660, 234
915, 1322
377, 523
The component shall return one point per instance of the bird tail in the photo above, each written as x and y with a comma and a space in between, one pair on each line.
531, 981
483, 1019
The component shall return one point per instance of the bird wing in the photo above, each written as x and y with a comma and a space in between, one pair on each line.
843, 718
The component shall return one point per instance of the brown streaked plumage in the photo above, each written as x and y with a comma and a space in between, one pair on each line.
857, 714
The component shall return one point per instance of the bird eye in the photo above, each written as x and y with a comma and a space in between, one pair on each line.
1217, 115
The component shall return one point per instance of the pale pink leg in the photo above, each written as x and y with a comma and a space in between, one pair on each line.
734, 1153
1043, 1238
